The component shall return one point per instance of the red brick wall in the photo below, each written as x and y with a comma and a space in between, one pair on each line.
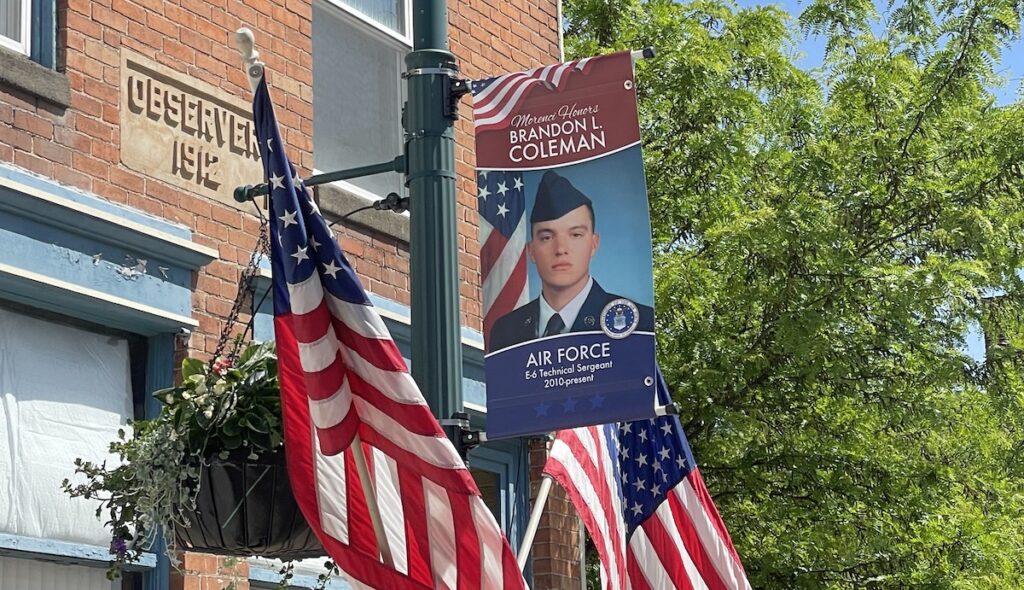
556, 549
210, 572
488, 38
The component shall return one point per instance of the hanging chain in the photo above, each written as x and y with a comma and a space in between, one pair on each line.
245, 291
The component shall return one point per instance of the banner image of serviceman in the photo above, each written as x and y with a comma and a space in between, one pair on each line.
565, 248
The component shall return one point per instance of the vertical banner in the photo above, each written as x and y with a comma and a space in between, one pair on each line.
565, 248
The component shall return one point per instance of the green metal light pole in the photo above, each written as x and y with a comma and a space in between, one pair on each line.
433, 244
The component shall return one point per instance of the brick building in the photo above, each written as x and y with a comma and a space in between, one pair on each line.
124, 127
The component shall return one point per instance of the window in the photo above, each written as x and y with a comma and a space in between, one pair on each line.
358, 52
15, 16
28, 27
65, 391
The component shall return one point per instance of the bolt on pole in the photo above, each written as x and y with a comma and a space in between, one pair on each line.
433, 245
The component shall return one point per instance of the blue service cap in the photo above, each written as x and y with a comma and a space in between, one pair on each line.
556, 196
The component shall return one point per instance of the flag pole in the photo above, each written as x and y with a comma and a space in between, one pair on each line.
531, 527
371, 502
245, 41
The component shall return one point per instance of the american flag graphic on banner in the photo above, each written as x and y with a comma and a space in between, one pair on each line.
503, 235
645, 505
496, 100
342, 375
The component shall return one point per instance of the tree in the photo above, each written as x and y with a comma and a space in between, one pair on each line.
823, 244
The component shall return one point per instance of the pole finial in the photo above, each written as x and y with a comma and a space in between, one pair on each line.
245, 41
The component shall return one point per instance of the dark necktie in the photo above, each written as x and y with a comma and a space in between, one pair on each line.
555, 326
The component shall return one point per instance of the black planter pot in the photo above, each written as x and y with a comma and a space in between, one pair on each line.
246, 508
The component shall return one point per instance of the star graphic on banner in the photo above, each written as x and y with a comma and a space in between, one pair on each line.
312, 242
642, 436
637, 509
502, 209
657, 465
484, 193
519, 183
640, 484
542, 408
656, 490
277, 181
665, 453
295, 179
331, 269
483, 175
666, 428
626, 427
681, 462
641, 460
270, 144
597, 401
569, 405
502, 188
313, 205
288, 218
300, 254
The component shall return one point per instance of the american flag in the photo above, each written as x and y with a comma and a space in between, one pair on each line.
645, 505
342, 375
502, 208
496, 100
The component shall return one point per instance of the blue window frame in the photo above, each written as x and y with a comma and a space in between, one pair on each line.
29, 27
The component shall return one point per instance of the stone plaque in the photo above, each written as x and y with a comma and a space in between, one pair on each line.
186, 132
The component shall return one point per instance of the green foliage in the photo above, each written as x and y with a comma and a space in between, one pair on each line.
823, 243
218, 408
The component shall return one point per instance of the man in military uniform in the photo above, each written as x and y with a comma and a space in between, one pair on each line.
562, 242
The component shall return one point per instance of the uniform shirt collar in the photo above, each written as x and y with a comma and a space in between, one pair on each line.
568, 313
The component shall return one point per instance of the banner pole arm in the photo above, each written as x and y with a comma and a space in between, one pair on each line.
535, 514
371, 502
645, 53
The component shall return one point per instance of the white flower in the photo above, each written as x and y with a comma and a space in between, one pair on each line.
220, 386
201, 388
186, 395
170, 398
208, 414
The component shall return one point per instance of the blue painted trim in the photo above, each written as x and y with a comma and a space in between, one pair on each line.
263, 577
159, 374
64, 552
508, 458
71, 194
43, 48
89, 220
65, 251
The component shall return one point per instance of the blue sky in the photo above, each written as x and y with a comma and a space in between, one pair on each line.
813, 50
812, 53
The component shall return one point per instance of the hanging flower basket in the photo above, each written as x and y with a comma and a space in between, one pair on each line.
245, 507
208, 472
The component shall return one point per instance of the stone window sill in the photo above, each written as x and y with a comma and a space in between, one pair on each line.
335, 202
19, 72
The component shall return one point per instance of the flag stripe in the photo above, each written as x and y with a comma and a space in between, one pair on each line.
722, 556
341, 374
581, 455
671, 555
637, 579
653, 570
691, 540
443, 550
390, 505
469, 553
640, 477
